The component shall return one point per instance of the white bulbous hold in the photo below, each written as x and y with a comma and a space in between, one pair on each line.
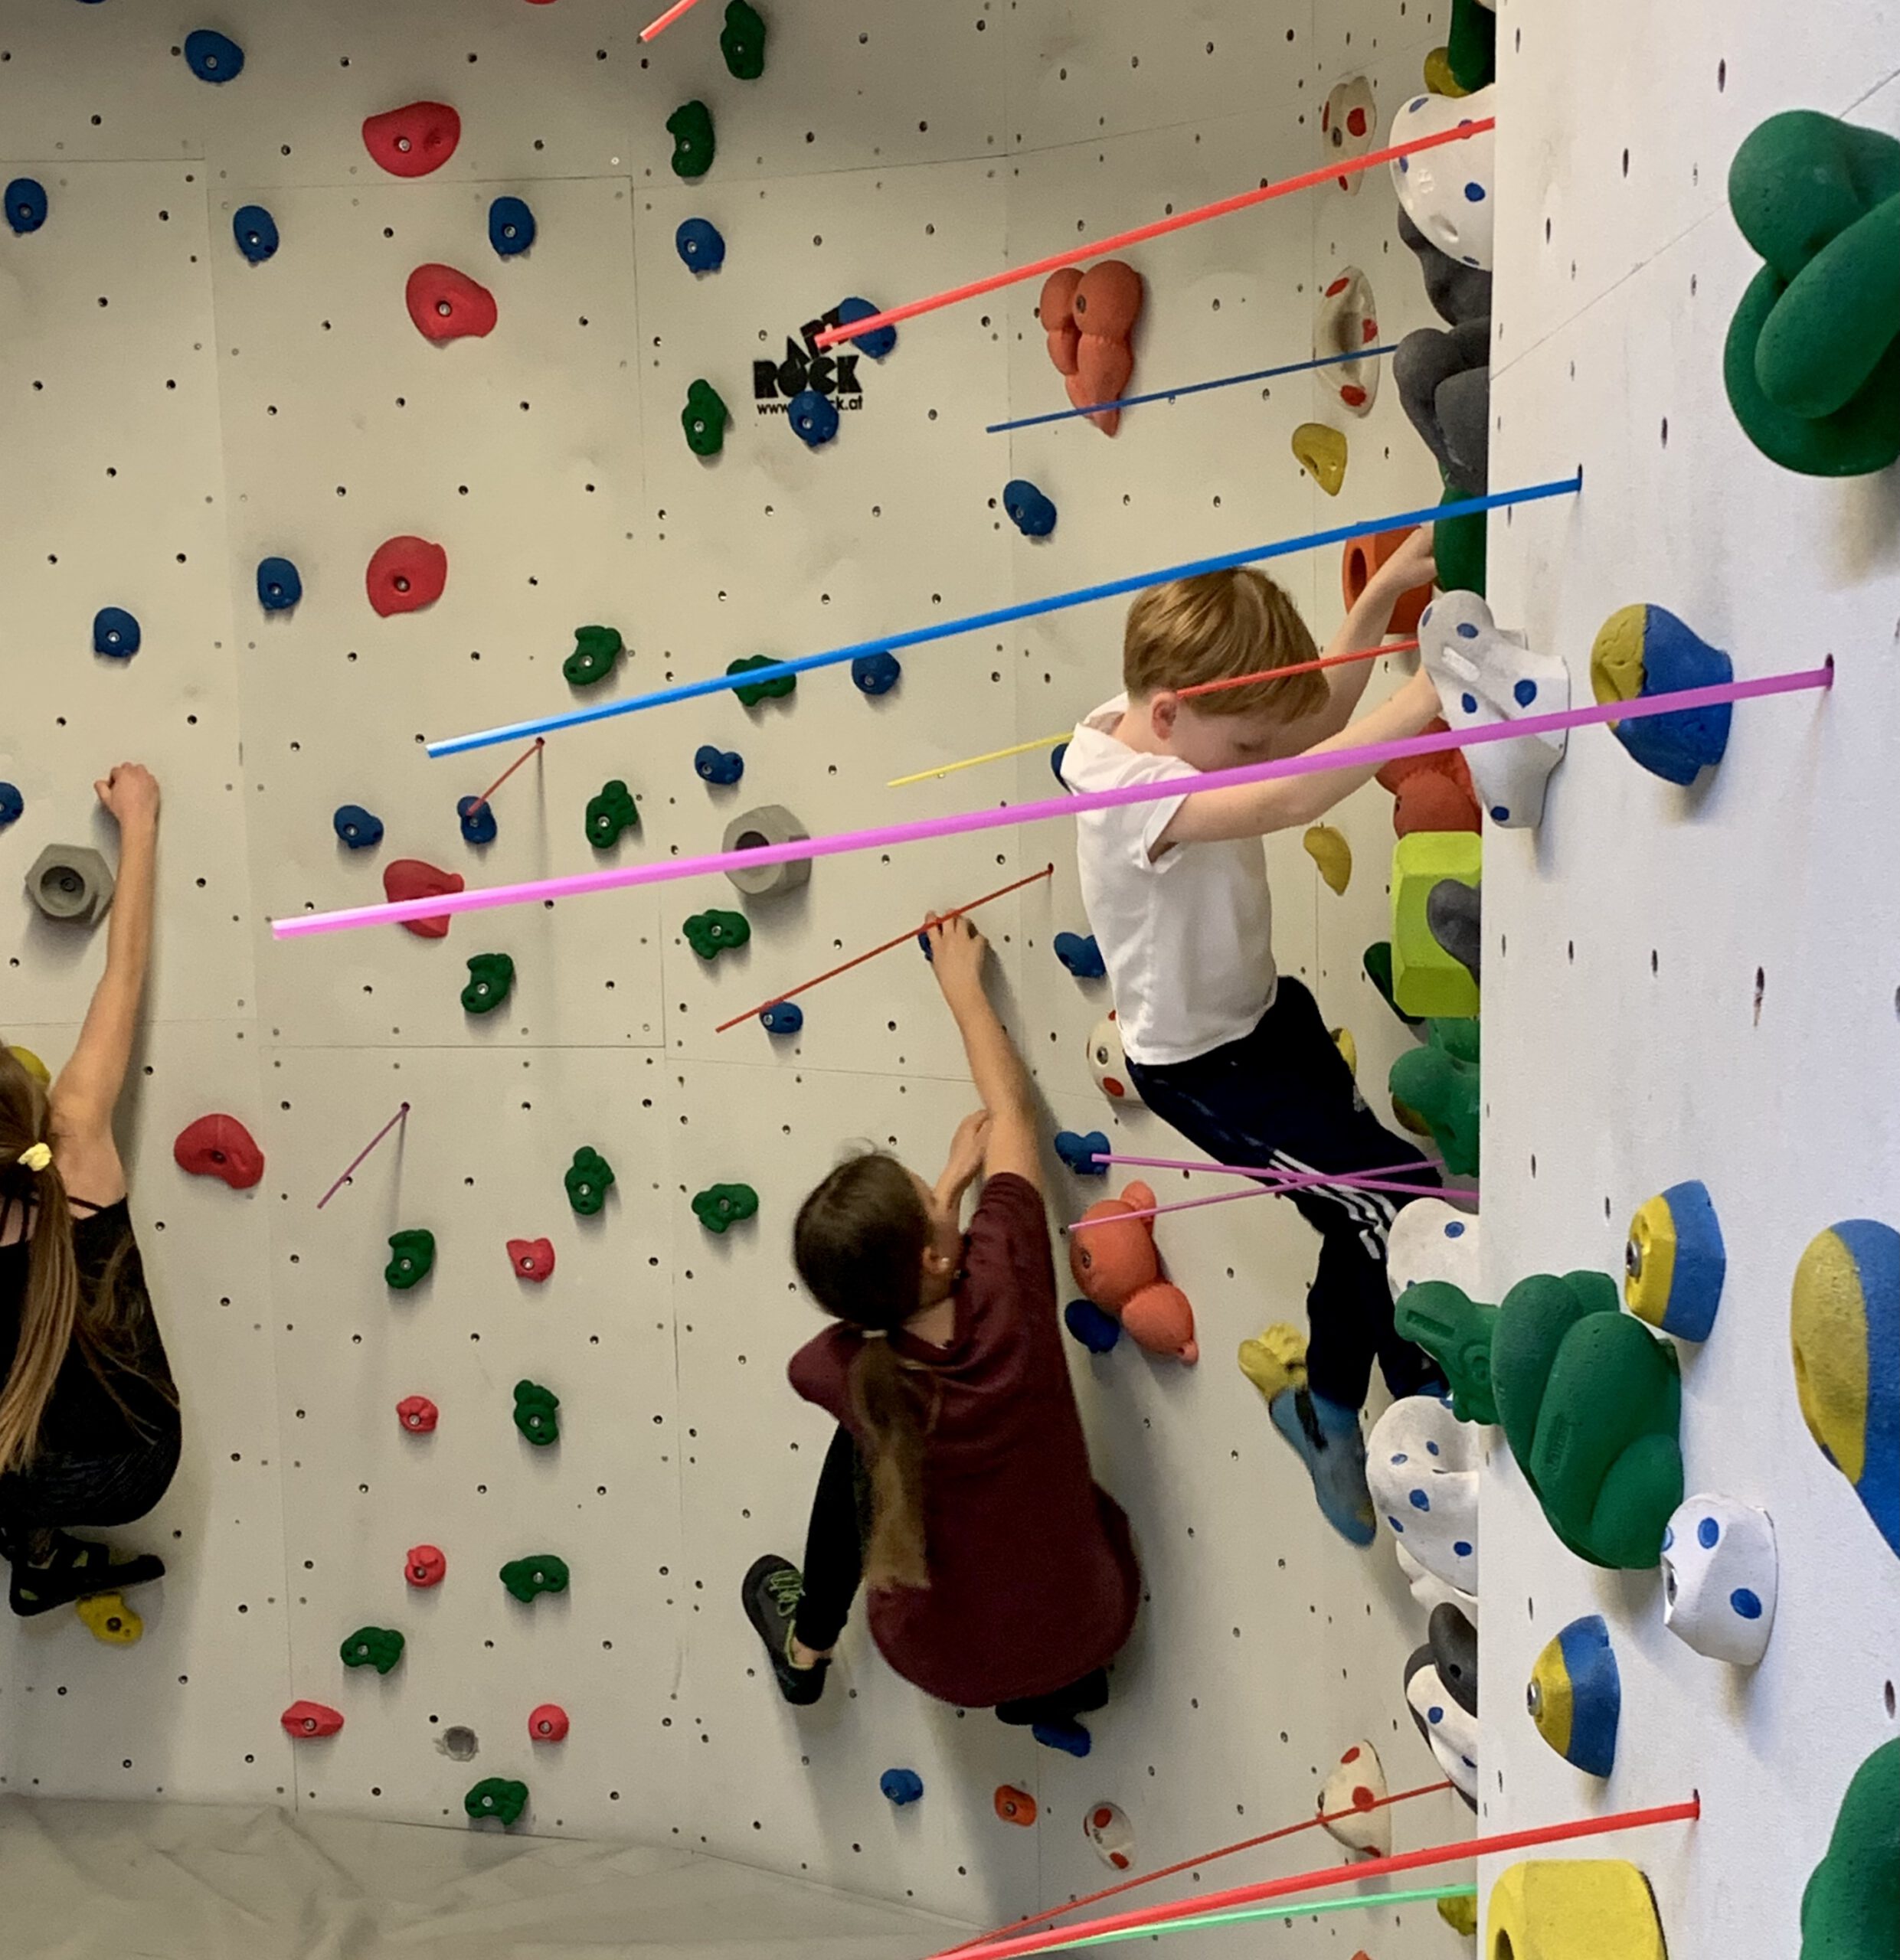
1447, 191
1345, 321
1108, 1063
1720, 1576
1453, 1734
1357, 1781
1429, 1590
1485, 675
1348, 124
1421, 1466
1430, 1240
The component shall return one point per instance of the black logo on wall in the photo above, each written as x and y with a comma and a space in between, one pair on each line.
831, 372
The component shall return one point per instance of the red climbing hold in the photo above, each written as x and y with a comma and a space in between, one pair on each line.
413, 140
1014, 1806
424, 1566
447, 304
418, 1415
532, 1258
548, 1724
303, 1720
406, 574
410, 878
220, 1147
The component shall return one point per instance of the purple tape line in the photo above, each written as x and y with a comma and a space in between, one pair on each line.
361, 1154
1275, 1172
1285, 1189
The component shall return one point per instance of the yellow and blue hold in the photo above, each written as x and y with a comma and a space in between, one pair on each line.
1675, 1262
1575, 1696
1643, 651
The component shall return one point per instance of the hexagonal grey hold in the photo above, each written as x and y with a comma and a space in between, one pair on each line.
753, 830
71, 883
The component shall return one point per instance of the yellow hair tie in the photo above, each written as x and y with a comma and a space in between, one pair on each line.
36, 1157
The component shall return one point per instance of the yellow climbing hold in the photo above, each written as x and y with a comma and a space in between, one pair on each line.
1616, 657
1275, 1360
108, 1619
1328, 848
1321, 452
34, 1066
1342, 1039
1461, 1912
1574, 1908
1439, 79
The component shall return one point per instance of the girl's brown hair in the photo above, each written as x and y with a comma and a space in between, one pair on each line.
859, 1245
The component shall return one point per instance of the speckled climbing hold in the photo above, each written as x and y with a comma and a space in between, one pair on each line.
1320, 451
1471, 45
1579, 1909
759, 830
1443, 379
711, 933
813, 417
26, 205
1574, 1696
596, 649
1852, 1901
1845, 1326
12, 804
1351, 1802
213, 56
1348, 123
1422, 1465
1079, 954
587, 1179
1812, 364
720, 767
1485, 675
511, 227
412, 1257
742, 41
404, 574
280, 586
1454, 916
1446, 191
1028, 509
304, 1721
548, 1723
537, 1412
1430, 1240
1345, 322
1014, 1806
690, 126
425, 1566
491, 979
418, 1415
1720, 1578
777, 688
476, 817
1451, 1733
611, 812
447, 304
1361, 558
71, 883
377, 1647
1274, 1360
109, 1620
1106, 1828
701, 247
783, 1018
720, 1207
531, 1258
116, 633
901, 1786
413, 140
1079, 1151
1426, 979
1441, 1089
1330, 851
703, 418
355, 827
1108, 1063
410, 878
1097, 1331
255, 231
221, 1147
1674, 1262
878, 343
498, 1798
1644, 650
528, 1578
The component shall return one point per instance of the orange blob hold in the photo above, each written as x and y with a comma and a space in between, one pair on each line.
1431, 792
1088, 319
1016, 1806
1117, 1266
1362, 557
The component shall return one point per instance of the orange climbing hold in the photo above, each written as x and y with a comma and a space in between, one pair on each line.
1016, 1806
1089, 320
1362, 557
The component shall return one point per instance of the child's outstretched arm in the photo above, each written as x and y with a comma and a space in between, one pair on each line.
958, 951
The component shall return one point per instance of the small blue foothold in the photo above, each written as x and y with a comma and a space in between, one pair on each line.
1080, 1152
1056, 754
901, 1786
1069, 1735
354, 826
1030, 510
698, 243
11, 804
256, 232
880, 340
478, 819
723, 767
1097, 1331
26, 205
814, 419
115, 633
511, 227
783, 1018
1082, 957
213, 56
279, 585
875, 673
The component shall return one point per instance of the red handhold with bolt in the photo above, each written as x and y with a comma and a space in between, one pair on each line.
532, 1258
414, 139
405, 574
425, 1566
304, 1720
220, 1147
410, 878
447, 304
548, 1723
418, 1415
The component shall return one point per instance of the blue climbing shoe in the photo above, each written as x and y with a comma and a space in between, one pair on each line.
1328, 1441
1069, 1735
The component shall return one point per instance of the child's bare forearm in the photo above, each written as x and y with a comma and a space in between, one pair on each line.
89, 1085
1003, 1082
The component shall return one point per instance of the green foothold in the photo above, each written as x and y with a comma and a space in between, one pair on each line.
1471, 52
1852, 1904
742, 42
496, 1796
377, 1647
690, 126
596, 648
491, 979
536, 1413
588, 1178
1378, 962
413, 1258
703, 418
528, 1578
1442, 1089
711, 933
720, 1205
610, 813
1455, 1330
1458, 548
776, 689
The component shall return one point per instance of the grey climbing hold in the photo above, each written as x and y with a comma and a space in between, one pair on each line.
1444, 379
753, 830
1457, 293
1454, 916
71, 883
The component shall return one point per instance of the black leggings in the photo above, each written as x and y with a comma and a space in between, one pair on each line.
835, 1543
57, 1490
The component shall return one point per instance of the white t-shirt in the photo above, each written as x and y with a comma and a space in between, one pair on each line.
1187, 937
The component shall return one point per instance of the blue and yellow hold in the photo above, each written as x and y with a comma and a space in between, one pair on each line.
1675, 1262
1642, 651
1575, 1696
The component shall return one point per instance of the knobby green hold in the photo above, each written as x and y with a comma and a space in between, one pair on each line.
742, 42
1458, 546
720, 1205
588, 1178
1455, 1330
690, 126
703, 418
536, 1413
1439, 1083
776, 689
1471, 52
610, 813
711, 933
491, 979
1852, 1904
377, 1647
540, 1573
1812, 363
413, 1258
596, 648
496, 1796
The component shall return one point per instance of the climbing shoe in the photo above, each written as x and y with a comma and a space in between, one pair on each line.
770, 1594
75, 1569
1327, 1440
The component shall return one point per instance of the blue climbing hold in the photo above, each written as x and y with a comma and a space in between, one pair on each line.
26, 205
875, 673
115, 633
877, 343
1080, 1152
354, 826
213, 56
478, 819
1070, 1736
723, 767
279, 586
783, 1018
1082, 957
1030, 511
901, 1786
1056, 754
11, 804
256, 231
510, 226
1097, 1331
701, 247
814, 419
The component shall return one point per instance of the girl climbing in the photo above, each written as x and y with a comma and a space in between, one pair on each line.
957, 1485
88, 1418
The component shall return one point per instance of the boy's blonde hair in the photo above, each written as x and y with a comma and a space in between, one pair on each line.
1214, 627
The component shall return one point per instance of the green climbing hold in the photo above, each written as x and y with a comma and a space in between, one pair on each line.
690, 126
496, 1796
528, 1578
776, 689
413, 1258
588, 1178
1852, 1904
742, 42
1378, 962
719, 1206
377, 1647
703, 418
610, 813
711, 933
1455, 1330
491, 978
536, 1413
596, 648
1457, 547
1439, 1083
1471, 52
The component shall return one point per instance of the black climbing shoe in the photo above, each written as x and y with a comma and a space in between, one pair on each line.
75, 1569
770, 1594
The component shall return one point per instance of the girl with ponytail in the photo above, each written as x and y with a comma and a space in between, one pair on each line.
88, 1418
957, 1487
